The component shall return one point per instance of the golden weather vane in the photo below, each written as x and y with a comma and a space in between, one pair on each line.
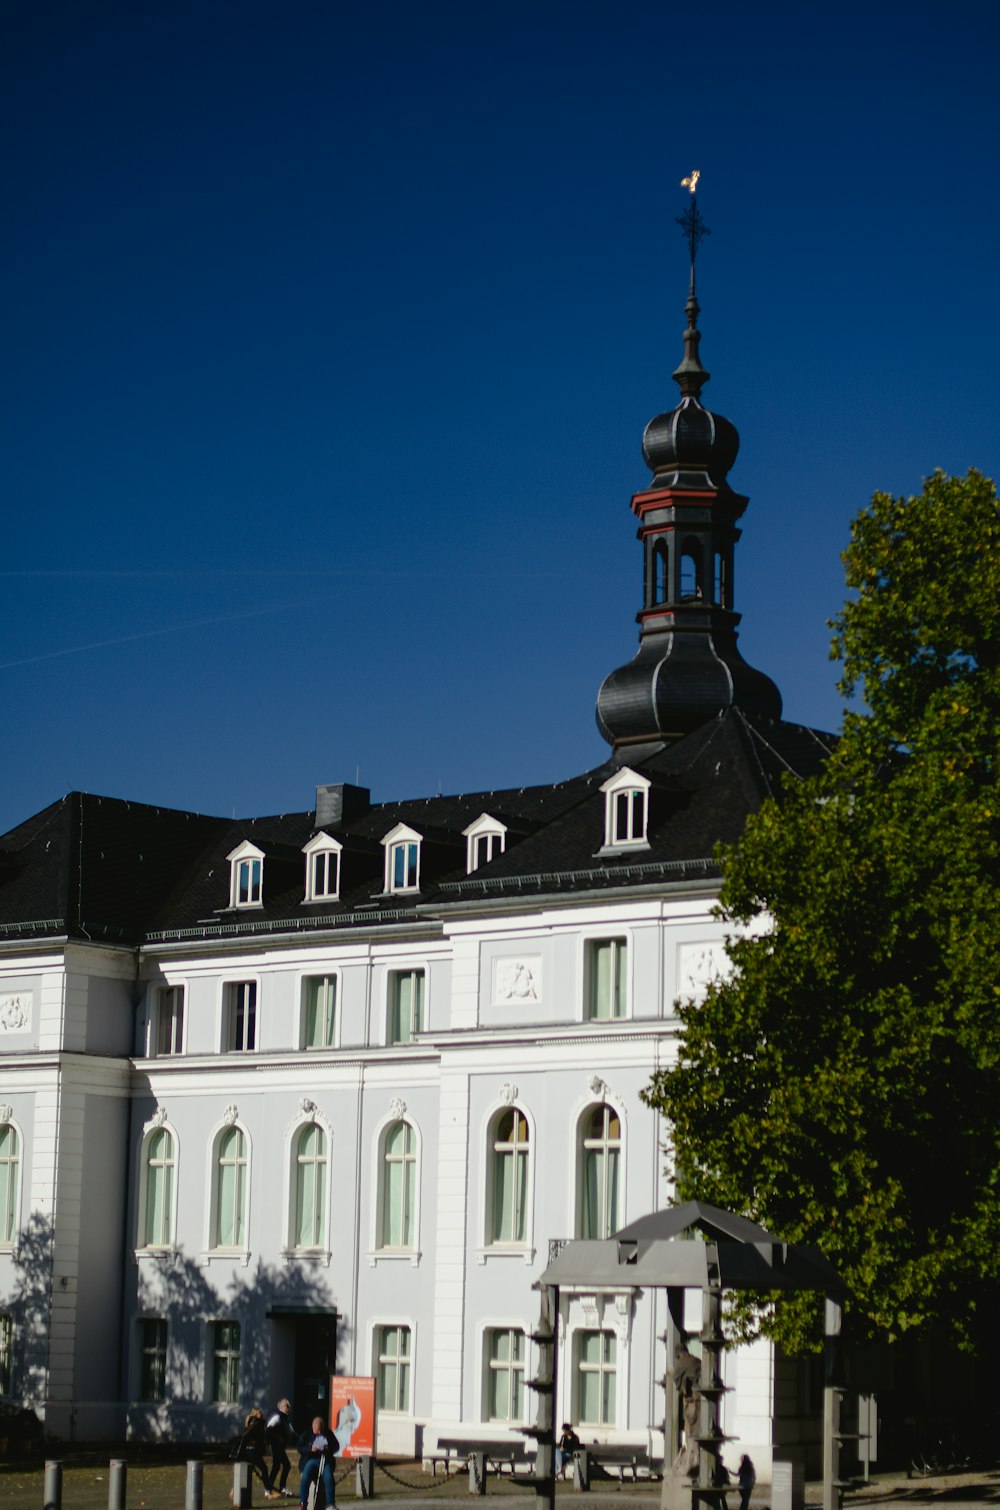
690, 222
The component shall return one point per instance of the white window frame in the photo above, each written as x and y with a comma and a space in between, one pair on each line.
377, 1357
323, 855
626, 783
402, 838
591, 944
580, 1182
410, 1159
513, 1152
230, 1012
214, 1352
321, 1248
248, 858
601, 1369
143, 1244
169, 1004
393, 975
215, 1245
332, 977
10, 1215
490, 1369
487, 832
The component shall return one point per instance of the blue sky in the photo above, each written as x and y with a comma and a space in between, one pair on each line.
330, 332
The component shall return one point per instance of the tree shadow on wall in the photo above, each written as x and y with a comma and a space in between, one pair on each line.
193, 1295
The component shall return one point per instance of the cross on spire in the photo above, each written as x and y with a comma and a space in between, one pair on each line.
691, 223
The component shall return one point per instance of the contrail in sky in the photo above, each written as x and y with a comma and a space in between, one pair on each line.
149, 634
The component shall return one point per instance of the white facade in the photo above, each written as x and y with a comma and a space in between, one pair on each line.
196, 1165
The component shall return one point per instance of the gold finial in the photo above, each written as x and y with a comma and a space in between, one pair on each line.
691, 182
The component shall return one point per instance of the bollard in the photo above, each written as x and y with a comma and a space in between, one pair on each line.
581, 1471
364, 1478
242, 1492
193, 1484
477, 1473
53, 1485
117, 1477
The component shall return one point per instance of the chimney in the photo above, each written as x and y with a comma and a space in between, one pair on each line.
335, 804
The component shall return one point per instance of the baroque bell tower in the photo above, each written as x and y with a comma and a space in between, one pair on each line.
687, 668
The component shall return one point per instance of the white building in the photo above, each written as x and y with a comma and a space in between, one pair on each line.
313, 1093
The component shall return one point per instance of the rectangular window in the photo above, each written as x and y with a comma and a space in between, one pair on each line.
153, 1344
630, 809
404, 867
319, 1028
607, 969
596, 1365
393, 1368
248, 873
325, 874
406, 1005
226, 1362
169, 1020
486, 846
6, 1352
505, 1375
241, 1015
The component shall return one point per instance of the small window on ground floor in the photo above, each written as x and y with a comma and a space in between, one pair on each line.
596, 1365
153, 1349
504, 1374
225, 1362
393, 1369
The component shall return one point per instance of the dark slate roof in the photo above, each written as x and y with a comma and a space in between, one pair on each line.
103, 868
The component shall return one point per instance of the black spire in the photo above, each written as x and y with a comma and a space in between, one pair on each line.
688, 668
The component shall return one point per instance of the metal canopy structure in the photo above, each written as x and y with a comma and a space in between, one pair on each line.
658, 1251
693, 1246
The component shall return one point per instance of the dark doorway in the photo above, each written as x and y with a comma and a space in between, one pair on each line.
310, 1338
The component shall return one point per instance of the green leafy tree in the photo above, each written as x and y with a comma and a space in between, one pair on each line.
842, 1085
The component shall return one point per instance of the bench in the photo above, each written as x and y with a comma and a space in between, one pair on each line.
602, 1456
480, 1455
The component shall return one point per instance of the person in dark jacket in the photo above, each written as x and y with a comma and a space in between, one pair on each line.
317, 1448
252, 1444
280, 1432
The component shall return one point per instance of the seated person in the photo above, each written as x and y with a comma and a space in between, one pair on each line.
569, 1443
317, 1448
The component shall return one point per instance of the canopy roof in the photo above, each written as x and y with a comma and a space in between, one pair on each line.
661, 1250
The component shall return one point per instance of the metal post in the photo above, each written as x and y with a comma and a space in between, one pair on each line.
53, 1485
832, 1494
242, 1499
117, 1478
364, 1478
193, 1484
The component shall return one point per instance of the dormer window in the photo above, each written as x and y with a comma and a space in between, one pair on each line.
402, 859
322, 869
246, 876
626, 811
486, 838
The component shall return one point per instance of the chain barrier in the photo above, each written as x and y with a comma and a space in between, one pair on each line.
416, 1488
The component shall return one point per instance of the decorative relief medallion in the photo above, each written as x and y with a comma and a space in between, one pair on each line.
159, 1117
517, 980
397, 1108
6, 1112
508, 1093
15, 1012
230, 1115
307, 1107
698, 965
597, 1086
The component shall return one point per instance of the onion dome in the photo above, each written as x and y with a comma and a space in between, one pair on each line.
688, 668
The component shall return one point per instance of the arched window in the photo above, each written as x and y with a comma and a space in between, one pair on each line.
600, 1158
309, 1219
399, 1186
158, 1205
690, 572
230, 1226
509, 1175
10, 1182
661, 573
